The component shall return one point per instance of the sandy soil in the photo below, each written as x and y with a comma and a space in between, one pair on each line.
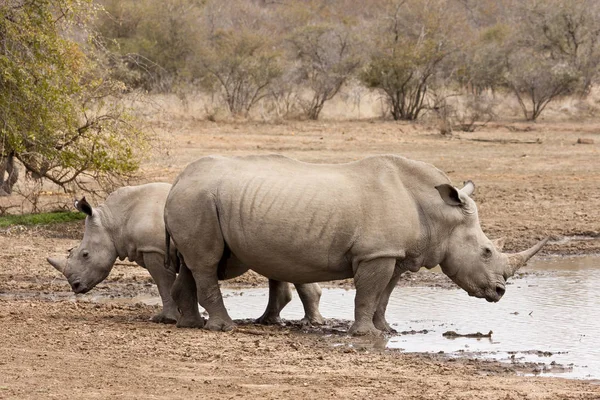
533, 180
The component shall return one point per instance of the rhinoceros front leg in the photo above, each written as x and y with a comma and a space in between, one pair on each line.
310, 295
184, 295
379, 318
370, 278
280, 294
209, 297
164, 279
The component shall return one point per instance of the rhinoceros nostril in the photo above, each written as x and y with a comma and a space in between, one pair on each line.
76, 286
500, 290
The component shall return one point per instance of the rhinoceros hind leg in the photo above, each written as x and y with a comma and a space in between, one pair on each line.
371, 279
183, 292
193, 223
310, 295
209, 295
280, 294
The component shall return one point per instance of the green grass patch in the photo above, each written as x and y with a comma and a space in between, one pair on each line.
41, 218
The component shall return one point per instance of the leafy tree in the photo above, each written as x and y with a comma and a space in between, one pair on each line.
58, 114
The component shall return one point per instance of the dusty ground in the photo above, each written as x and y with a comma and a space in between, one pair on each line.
533, 180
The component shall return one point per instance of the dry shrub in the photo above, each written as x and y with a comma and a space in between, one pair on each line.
476, 112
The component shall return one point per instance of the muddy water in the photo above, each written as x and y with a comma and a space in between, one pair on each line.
550, 316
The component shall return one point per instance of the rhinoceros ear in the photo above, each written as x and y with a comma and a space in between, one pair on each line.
83, 206
450, 195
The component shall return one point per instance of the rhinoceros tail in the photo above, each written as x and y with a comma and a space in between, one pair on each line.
167, 249
222, 267
178, 261
172, 261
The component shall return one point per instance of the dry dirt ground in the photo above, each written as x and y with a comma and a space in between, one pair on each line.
533, 180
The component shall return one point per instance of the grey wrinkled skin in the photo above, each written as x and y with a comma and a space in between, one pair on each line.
371, 219
130, 224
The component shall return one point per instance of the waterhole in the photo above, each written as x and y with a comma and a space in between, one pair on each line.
549, 316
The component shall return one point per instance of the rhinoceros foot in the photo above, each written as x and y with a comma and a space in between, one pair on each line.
383, 326
358, 329
218, 324
312, 321
269, 320
161, 318
190, 322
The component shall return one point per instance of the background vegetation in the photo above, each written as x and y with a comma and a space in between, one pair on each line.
295, 56
66, 66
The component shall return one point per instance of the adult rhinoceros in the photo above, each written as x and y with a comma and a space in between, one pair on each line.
130, 224
371, 219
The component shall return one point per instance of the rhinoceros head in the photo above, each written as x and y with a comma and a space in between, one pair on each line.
471, 260
89, 263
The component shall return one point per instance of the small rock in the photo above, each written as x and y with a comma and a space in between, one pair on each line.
585, 141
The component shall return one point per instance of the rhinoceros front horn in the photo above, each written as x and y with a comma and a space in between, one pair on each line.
59, 264
517, 260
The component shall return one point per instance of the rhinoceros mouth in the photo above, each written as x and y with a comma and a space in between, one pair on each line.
489, 296
79, 288
496, 295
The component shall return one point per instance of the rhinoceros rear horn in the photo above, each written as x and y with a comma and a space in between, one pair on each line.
469, 188
83, 206
518, 260
499, 243
59, 264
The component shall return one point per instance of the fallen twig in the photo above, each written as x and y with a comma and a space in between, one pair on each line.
478, 335
507, 141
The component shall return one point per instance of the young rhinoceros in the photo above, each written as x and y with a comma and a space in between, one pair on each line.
130, 224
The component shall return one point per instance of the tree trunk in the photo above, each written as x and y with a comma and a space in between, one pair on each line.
9, 174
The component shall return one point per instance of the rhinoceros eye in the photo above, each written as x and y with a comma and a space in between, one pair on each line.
85, 254
487, 252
